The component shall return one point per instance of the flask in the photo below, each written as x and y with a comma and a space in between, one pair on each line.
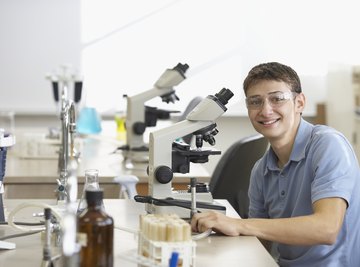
96, 230
91, 183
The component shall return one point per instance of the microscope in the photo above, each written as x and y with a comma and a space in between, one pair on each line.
139, 116
167, 157
6, 140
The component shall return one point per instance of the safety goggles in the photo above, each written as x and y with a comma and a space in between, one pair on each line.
275, 99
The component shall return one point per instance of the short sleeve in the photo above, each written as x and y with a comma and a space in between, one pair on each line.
335, 166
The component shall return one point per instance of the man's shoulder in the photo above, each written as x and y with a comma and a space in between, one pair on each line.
326, 133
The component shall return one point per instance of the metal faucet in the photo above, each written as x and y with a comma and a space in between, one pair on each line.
67, 149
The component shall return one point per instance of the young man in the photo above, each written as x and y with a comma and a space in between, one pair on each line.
305, 191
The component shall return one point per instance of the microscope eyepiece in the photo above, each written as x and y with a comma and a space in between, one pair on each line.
182, 68
224, 95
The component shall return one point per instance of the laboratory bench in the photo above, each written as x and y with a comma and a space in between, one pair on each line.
29, 176
213, 250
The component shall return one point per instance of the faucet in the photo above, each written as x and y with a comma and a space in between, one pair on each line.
62, 82
67, 149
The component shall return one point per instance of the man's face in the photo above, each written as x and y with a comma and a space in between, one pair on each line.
274, 110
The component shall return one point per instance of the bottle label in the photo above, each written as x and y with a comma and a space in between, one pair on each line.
82, 239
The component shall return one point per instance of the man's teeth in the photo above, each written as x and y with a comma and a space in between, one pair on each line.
269, 122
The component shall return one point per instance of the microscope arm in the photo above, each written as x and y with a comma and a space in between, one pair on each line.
160, 153
135, 115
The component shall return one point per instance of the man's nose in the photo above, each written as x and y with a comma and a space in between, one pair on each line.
266, 107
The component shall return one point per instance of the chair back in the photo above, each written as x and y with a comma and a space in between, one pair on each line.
230, 179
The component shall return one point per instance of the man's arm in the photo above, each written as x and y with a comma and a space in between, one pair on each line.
321, 227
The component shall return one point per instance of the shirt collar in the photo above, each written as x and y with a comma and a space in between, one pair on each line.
298, 152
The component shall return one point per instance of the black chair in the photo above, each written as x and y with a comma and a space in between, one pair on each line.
230, 179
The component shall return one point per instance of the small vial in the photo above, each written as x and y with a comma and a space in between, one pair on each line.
91, 183
97, 231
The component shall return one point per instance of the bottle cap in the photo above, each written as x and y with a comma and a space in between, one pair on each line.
94, 196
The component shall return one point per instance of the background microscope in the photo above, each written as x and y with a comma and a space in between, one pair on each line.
139, 116
167, 157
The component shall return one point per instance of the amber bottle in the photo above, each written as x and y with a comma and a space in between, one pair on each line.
97, 231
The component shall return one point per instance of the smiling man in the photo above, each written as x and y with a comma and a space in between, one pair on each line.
305, 191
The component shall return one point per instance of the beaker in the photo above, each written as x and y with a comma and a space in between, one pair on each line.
91, 183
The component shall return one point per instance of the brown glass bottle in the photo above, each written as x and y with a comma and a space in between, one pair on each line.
99, 230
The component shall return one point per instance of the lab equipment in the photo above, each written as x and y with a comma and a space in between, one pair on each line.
163, 234
47, 258
67, 149
70, 245
193, 196
6, 140
63, 225
97, 228
61, 85
167, 156
120, 120
65, 80
89, 121
91, 183
127, 185
139, 116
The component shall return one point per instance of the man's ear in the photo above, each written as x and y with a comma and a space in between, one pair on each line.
300, 102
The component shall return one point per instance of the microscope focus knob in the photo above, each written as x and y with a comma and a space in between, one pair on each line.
163, 174
139, 128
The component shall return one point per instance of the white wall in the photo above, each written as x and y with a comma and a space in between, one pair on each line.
36, 36
341, 99
124, 46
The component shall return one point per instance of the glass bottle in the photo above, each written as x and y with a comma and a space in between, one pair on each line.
120, 120
98, 227
91, 183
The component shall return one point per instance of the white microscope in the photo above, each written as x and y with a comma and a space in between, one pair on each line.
167, 157
139, 116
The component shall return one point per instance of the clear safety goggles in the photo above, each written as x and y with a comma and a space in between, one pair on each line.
275, 99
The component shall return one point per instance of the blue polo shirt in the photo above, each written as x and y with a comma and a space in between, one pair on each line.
322, 165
